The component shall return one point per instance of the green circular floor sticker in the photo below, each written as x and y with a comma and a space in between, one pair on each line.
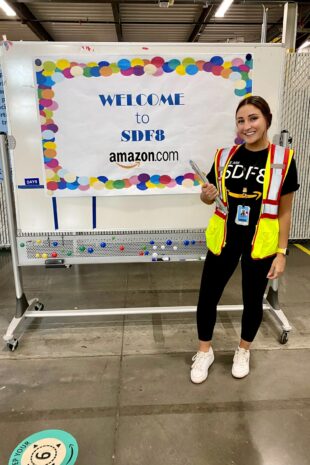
49, 447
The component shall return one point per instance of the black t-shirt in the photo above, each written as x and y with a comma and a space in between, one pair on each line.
247, 169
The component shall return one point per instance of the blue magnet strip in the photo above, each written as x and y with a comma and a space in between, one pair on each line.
30, 187
55, 213
94, 212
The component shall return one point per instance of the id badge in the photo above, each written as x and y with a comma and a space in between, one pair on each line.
243, 215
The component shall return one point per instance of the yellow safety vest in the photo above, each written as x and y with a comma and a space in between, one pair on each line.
266, 236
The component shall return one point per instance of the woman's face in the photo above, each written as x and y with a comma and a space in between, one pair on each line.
251, 125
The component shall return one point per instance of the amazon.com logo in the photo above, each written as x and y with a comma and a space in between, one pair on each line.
129, 160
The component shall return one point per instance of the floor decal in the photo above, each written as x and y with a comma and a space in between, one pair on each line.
49, 447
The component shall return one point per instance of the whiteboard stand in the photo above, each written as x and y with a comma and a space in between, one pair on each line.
35, 309
274, 306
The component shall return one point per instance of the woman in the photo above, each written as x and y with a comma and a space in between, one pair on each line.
256, 182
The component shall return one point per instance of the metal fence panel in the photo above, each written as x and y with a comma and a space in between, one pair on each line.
296, 119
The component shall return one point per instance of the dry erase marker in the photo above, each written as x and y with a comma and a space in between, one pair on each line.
204, 179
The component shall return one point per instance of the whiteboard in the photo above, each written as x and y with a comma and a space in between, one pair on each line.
36, 211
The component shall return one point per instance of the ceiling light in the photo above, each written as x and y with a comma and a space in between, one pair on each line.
304, 45
6, 8
165, 3
220, 12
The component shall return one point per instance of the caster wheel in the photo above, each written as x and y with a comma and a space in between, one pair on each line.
284, 337
39, 307
12, 346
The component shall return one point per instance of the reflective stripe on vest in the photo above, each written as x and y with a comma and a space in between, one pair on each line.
276, 170
222, 159
279, 158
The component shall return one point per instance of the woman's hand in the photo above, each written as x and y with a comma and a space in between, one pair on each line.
208, 193
277, 267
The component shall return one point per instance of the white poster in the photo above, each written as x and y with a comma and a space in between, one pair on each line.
129, 126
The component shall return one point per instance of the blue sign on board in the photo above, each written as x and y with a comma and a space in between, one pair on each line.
32, 182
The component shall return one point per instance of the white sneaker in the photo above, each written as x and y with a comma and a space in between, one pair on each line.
241, 363
202, 362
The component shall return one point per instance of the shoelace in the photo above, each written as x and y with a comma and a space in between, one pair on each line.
241, 357
199, 360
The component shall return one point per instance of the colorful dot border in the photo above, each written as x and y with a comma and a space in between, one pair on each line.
49, 73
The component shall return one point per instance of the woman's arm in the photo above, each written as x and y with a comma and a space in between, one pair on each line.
285, 213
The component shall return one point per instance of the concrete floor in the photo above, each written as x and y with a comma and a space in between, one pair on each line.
120, 385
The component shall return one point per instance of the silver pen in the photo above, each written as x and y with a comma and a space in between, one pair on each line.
204, 179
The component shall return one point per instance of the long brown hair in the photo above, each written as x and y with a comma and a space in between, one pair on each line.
259, 103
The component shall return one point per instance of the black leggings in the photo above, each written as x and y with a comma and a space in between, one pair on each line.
216, 273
